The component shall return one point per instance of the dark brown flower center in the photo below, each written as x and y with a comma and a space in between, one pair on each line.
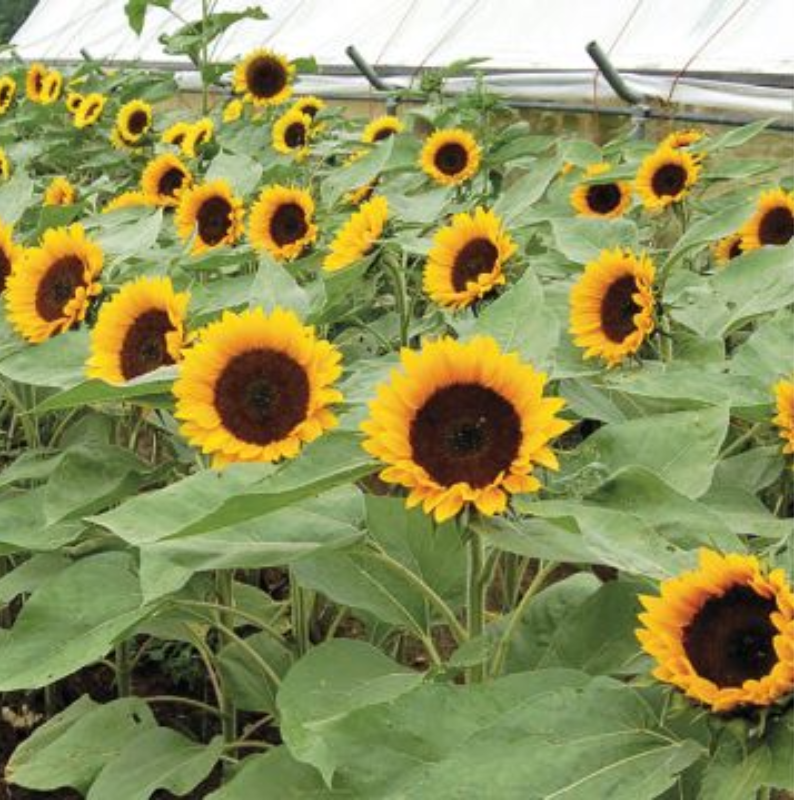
144, 347
171, 181
58, 287
92, 109
214, 220
137, 122
309, 109
265, 77
178, 138
5, 269
451, 158
288, 224
38, 81
477, 257
295, 135
5, 91
669, 179
603, 198
383, 133
730, 639
735, 248
465, 433
776, 226
619, 308
262, 395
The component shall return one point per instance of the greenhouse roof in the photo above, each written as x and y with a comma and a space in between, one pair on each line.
732, 54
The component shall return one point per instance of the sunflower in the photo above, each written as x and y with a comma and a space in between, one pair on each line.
684, 138
5, 165
130, 200
282, 222
60, 192
264, 78
723, 633
381, 128
8, 91
358, 235
138, 330
10, 253
34, 80
773, 222
612, 305
450, 156
463, 423
90, 109
665, 177
466, 260
133, 121
51, 289
176, 133
52, 84
607, 200
211, 215
233, 110
784, 420
309, 105
727, 249
73, 102
196, 135
257, 387
291, 133
165, 177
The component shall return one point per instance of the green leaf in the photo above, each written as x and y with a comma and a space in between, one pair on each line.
157, 759
58, 363
581, 240
736, 137
73, 747
581, 153
15, 196
71, 621
135, 11
240, 171
359, 173
274, 286
31, 574
529, 188
330, 682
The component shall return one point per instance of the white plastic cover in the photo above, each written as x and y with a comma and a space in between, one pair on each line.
543, 39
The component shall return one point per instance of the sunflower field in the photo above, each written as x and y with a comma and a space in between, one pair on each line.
424, 456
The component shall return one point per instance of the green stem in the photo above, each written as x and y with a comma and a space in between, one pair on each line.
397, 272
6, 566
237, 612
186, 701
224, 579
456, 628
476, 598
122, 665
739, 442
665, 339
508, 634
204, 58
300, 616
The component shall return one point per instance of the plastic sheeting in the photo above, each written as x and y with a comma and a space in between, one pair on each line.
534, 48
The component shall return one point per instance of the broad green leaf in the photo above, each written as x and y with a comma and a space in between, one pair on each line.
71, 621
240, 171
581, 240
23, 526
58, 363
359, 173
156, 759
15, 196
135, 10
330, 682
30, 575
274, 286
581, 153
73, 747
526, 190
736, 137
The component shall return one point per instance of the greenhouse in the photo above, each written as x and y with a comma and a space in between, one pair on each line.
396, 400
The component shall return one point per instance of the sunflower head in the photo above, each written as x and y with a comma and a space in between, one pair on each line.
233, 110
723, 633
130, 200
60, 192
52, 288
10, 253
34, 79
73, 101
257, 387
725, 250
684, 138
605, 200
264, 78
89, 110
282, 222
381, 128
773, 222
784, 420
51, 87
467, 258
291, 133
5, 165
197, 135
176, 133
140, 329
612, 306
356, 238
133, 121
211, 215
666, 176
463, 424
8, 91
309, 105
165, 177
450, 156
